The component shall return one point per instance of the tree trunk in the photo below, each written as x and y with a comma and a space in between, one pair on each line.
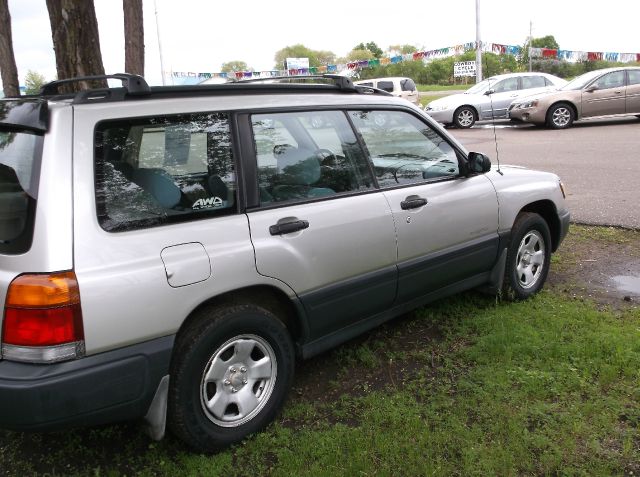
133, 37
76, 42
7, 59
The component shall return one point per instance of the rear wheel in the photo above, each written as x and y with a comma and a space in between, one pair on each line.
464, 117
560, 116
528, 257
230, 374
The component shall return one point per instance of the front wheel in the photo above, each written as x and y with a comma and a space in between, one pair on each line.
464, 117
528, 256
230, 374
560, 116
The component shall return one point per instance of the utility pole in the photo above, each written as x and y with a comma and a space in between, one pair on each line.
530, 40
155, 4
478, 45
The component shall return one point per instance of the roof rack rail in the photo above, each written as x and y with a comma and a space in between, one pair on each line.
343, 82
134, 85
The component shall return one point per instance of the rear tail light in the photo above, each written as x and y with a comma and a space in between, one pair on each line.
43, 319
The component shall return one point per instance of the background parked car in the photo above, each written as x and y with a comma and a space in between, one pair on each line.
489, 99
397, 86
610, 91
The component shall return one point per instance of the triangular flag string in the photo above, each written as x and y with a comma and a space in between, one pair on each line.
427, 55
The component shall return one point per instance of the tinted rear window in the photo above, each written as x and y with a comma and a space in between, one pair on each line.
19, 166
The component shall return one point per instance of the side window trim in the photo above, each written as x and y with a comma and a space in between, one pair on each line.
248, 160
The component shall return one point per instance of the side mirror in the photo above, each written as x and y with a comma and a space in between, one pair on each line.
478, 163
489, 92
591, 88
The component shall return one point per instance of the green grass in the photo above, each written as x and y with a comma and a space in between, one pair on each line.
469, 386
615, 235
427, 98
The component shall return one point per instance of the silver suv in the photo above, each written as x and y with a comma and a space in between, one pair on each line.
167, 253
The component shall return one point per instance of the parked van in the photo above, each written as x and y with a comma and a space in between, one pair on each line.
397, 86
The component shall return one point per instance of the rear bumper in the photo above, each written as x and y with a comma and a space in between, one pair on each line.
113, 386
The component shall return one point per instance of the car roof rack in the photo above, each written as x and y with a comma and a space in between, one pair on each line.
136, 87
134, 84
342, 82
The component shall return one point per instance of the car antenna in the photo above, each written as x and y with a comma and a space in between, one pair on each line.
493, 123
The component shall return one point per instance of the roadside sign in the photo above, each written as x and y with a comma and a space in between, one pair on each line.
464, 68
297, 64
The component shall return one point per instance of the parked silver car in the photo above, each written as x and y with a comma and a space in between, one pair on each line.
167, 253
489, 99
605, 92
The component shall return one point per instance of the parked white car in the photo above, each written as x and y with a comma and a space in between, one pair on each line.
490, 99
398, 86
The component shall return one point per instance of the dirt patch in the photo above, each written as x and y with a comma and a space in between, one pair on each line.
599, 264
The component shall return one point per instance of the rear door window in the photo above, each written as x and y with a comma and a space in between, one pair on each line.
529, 82
307, 155
20, 153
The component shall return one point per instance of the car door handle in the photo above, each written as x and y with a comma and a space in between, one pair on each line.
413, 202
288, 225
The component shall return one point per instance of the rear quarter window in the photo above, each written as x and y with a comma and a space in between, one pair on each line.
386, 86
163, 170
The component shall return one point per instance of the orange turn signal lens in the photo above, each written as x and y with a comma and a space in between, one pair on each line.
46, 290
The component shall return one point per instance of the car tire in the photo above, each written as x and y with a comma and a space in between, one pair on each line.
560, 116
528, 257
231, 370
464, 117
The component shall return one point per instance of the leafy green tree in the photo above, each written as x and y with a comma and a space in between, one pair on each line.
357, 55
33, 81
233, 66
545, 42
316, 57
395, 50
548, 41
372, 47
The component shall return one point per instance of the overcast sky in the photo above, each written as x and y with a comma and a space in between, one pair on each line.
198, 36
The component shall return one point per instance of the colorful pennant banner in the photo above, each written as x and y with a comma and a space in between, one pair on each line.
496, 48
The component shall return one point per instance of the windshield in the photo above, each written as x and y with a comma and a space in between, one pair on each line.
479, 87
582, 80
19, 163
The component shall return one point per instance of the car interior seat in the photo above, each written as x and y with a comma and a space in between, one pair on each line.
298, 170
159, 184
